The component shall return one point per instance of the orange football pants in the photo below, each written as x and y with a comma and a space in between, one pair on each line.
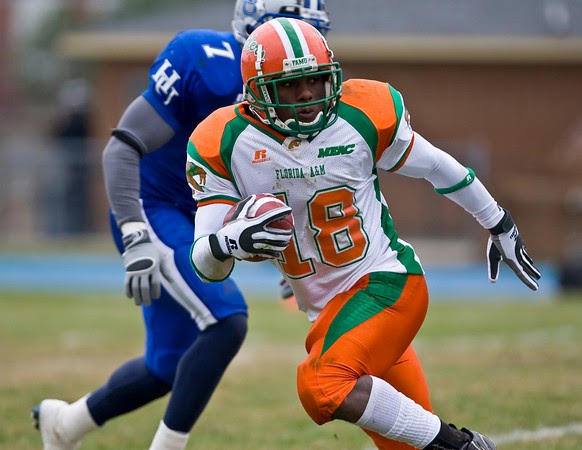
367, 330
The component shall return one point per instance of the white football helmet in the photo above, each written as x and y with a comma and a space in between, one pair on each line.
249, 14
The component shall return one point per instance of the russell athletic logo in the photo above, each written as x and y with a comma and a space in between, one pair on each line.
260, 157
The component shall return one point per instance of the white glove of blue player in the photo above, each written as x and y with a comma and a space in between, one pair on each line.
142, 261
245, 238
506, 244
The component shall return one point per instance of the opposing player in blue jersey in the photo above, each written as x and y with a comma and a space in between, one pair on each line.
193, 329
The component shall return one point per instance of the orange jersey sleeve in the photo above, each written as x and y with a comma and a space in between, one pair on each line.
206, 139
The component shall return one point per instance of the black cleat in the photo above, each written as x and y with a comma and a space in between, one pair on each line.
478, 441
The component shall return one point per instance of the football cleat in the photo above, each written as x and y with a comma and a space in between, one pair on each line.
478, 441
46, 417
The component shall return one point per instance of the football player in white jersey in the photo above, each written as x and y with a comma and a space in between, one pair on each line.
317, 143
193, 329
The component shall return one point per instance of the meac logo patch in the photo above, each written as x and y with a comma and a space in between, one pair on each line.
336, 150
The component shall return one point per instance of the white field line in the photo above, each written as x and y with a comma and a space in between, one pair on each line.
527, 339
538, 435
534, 436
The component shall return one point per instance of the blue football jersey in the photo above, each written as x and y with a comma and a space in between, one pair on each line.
196, 73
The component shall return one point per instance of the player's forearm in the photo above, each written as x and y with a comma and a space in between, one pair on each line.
121, 174
206, 265
479, 203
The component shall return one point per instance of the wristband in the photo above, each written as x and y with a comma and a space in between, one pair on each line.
131, 227
504, 225
215, 248
135, 238
469, 178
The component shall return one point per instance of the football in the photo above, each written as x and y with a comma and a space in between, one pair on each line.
263, 204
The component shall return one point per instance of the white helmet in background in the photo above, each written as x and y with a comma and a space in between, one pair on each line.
249, 14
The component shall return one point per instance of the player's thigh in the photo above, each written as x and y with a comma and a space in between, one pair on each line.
363, 331
372, 325
170, 330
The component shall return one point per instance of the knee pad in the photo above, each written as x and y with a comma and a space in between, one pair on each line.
323, 388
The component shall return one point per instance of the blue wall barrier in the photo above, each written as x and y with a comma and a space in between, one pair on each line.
104, 273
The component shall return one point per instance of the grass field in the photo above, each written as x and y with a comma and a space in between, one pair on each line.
505, 368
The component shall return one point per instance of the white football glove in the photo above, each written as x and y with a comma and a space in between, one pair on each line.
506, 244
245, 238
142, 261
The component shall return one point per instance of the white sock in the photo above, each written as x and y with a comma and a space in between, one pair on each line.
76, 421
397, 417
166, 439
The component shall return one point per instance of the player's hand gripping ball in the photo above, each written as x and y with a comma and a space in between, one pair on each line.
262, 205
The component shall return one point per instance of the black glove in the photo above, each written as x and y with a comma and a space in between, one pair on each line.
506, 244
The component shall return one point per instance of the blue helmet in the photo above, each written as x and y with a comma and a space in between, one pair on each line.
249, 14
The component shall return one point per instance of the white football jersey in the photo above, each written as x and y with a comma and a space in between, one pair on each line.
343, 229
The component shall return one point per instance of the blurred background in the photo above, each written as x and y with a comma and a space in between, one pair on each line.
497, 84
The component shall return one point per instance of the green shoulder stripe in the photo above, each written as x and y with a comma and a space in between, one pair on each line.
231, 133
398, 108
361, 122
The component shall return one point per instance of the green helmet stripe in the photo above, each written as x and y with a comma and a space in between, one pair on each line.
291, 37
